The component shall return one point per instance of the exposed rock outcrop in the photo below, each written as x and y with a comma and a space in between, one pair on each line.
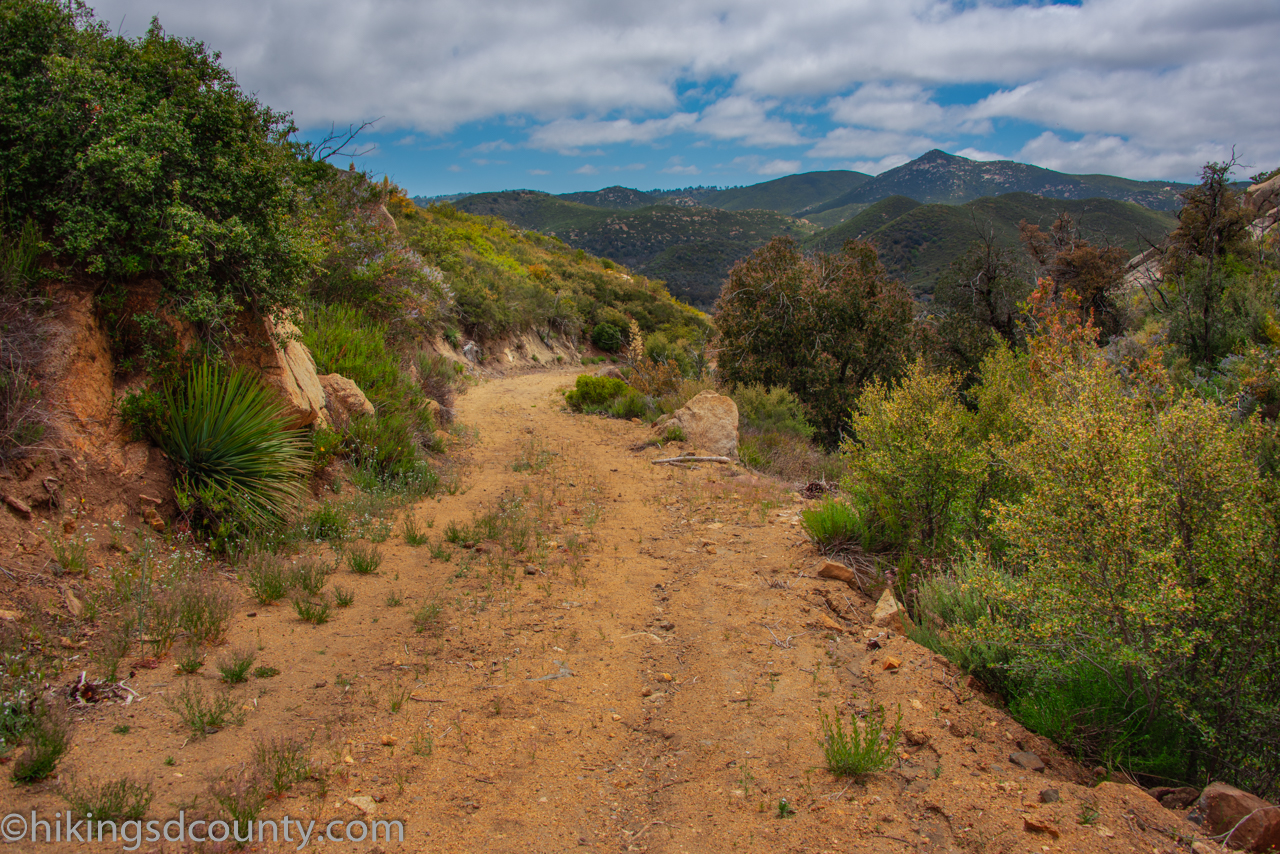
286, 366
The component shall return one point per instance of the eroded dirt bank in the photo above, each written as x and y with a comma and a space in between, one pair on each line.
645, 674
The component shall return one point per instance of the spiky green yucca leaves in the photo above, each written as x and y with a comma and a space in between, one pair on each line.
227, 434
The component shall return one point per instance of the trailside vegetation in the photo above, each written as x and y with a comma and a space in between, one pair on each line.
1074, 480
822, 325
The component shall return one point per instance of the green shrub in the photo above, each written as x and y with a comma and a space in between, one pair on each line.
835, 525
437, 377
237, 461
915, 453
309, 576
114, 800
860, 751
234, 665
143, 158
773, 409
363, 560
280, 762
46, 737
267, 577
630, 405
593, 393
607, 337
142, 413
312, 610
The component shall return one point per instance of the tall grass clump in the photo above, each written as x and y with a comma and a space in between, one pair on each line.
238, 463
860, 750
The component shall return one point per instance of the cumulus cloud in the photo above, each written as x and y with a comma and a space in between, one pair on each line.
586, 169
1162, 76
538, 172
760, 166
677, 166
863, 143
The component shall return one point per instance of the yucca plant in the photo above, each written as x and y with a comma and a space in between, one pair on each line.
228, 436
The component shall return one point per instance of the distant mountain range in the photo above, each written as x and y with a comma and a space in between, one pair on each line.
920, 215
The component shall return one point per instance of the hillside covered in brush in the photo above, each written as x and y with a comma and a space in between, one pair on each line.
917, 242
690, 247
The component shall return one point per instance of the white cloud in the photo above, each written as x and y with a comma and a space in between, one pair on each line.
630, 167
888, 106
406, 140
875, 167
567, 134
586, 169
761, 166
979, 154
1168, 77
493, 145
539, 172
745, 120
1112, 155
864, 143
455, 168
677, 166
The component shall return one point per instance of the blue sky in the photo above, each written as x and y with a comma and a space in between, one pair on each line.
565, 95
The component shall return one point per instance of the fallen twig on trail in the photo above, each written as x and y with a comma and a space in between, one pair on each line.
692, 460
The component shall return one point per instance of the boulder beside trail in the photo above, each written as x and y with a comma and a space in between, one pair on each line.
286, 366
343, 398
709, 421
1224, 807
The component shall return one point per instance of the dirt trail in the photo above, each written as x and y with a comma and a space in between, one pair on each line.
645, 674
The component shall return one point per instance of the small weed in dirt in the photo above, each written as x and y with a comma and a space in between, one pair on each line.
785, 810
70, 552
379, 531
422, 744
363, 560
399, 694
241, 793
860, 750
121, 729
309, 576
264, 671
1089, 814
280, 762
441, 553
456, 534
534, 457
343, 597
114, 800
190, 659
395, 599
313, 611
46, 736
234, 665
267, 577
427, 618
204, 715
204, 610
328, 522
413, 535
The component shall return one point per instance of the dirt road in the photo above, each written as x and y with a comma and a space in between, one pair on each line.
633, 659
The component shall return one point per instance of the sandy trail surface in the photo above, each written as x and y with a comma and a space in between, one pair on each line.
628, 657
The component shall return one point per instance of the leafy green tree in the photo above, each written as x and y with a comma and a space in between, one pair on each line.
144, 158
1093, 273
822, 325
978, 298
1206, 277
